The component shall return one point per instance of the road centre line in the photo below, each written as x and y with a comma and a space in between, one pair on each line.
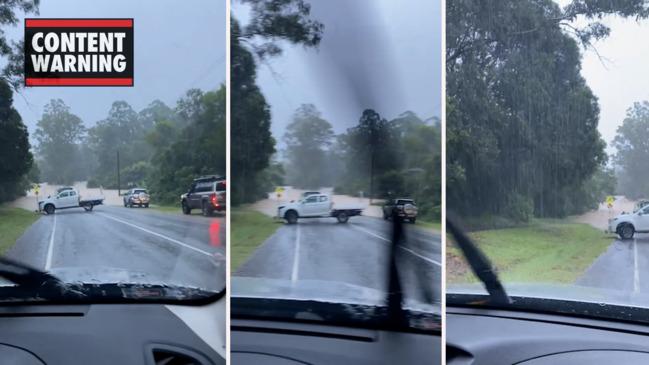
404, 248
296, 255
158, 235
50, 247
636, 273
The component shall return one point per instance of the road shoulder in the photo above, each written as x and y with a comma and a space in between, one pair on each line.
13, 224
250, 229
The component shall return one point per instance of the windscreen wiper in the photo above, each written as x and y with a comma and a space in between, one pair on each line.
396, 314
480, 264
25, 276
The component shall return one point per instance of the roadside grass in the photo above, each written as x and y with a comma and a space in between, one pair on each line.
430, 224
546, 250
13, 223
249, 229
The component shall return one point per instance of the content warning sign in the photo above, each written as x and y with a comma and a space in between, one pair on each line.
78, 52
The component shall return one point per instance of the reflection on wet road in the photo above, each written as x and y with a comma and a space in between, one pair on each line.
165, 247
354, 253
624, 266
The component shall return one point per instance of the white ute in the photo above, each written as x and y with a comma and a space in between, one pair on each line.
627, 224
68, 198
315, 206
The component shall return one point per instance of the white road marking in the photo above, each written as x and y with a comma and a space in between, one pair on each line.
50, 247
636, 273
157, 235
296, 256
404, 248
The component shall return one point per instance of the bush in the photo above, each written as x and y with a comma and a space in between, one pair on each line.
519, 208
488, 221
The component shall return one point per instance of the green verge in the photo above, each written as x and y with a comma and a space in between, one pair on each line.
249, 229
166, 208
13, 223
434, 225
545, 251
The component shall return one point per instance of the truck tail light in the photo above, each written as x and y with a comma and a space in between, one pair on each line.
214, 200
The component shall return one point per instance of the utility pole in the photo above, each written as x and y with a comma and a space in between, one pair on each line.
119, 193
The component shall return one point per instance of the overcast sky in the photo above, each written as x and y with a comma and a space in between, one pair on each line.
378, 54
178, 46
618, 78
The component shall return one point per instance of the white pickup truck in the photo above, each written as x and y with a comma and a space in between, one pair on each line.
315, 206
65, 199
627, 224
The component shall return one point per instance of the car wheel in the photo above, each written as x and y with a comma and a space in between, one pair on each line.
146, 205
49, 209
413, 220
291, 217
185, 208
205, 209
626, 232
342, 217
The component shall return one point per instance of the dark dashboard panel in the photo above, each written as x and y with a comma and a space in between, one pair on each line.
284, 343
484, 336
101, 334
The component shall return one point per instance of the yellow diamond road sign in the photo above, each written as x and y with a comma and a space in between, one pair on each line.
609, 200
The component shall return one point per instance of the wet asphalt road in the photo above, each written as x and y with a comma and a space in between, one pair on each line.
623, 266
355, 253
110, 241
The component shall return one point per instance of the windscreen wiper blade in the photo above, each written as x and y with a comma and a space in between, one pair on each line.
480, 264
396, 314
25, 276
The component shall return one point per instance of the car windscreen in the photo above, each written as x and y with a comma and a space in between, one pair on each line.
404, 201
162, 133
545, 140
351, 123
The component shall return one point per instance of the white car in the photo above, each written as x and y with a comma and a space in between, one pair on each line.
315, 206
627, 224
65, 199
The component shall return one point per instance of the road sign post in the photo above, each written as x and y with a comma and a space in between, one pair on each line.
609, 203
278, 193
37, 189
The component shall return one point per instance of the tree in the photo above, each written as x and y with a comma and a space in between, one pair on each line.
252, 142
308, 138
407, 160
15, 158
522, 134
371, 156
124, 131
59, 134
13, 72
632, 157
198, 150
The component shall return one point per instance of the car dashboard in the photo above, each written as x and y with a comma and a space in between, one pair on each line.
112, 334
479, 336
290, 343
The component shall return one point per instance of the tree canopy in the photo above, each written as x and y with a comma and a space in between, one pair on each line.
253, 145
522, 134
